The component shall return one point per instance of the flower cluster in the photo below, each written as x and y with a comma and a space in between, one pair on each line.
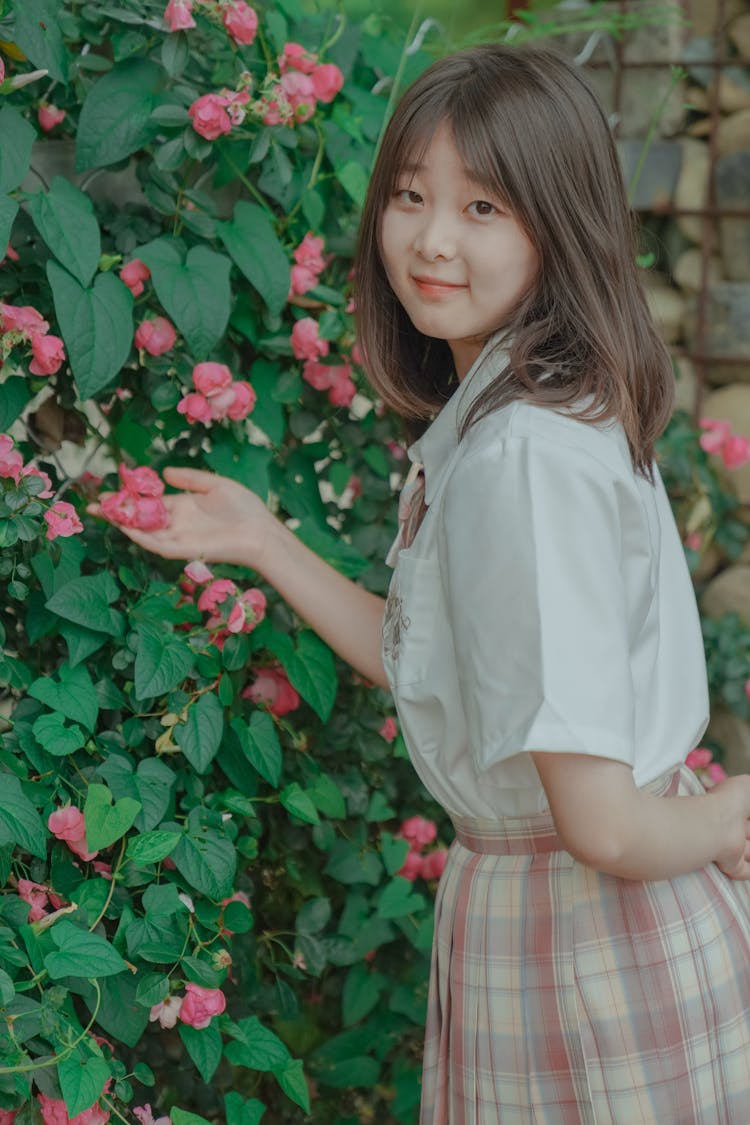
61, 518
303, 82
139, 502
39, 897
239, 19
247, 611
734, 449
213, 115
419, 832
196, 1008
337, 380
23, 324
701, 761
156, 335
217, 396
134, 274
271, 689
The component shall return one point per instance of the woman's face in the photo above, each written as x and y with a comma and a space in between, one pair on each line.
457, 260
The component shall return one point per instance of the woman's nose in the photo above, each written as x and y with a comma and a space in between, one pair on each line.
435, 238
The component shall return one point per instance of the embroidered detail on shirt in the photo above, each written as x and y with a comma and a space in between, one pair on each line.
395, 624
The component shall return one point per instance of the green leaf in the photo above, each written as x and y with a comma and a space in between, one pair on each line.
105, 821
396, 899
183, 1117
195, 293
297, 802
162, 661
82, 1080
64, 216
394, 851
151, 847
74, 696
327, 797
81, 954
314, 916
16, 139
208, 861
86, 601
362, 989
337, 552
260, 744
20, 823
252, 243
152, 989
378, 808
14, 395
246, 463
292, 1082
55, 737
240, 1112
7, 989
204, 1046
313, 673
115, 118
8, 212
349, 864
37, 33
96, 325
255, 1046
200, 737
354, 179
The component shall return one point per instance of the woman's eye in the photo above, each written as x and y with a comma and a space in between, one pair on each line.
406, 195
483, 207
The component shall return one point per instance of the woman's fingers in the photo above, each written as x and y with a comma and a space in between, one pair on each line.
196, 480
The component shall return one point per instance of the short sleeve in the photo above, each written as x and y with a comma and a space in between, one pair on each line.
530, 546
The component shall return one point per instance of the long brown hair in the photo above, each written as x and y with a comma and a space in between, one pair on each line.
528, 127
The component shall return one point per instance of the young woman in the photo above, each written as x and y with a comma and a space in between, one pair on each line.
591, 963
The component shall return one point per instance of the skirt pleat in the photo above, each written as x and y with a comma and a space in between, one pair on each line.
563, 996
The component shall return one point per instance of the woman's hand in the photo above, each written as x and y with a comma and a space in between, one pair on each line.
214, 519
734, 814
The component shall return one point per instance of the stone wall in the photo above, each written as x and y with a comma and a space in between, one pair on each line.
697, 166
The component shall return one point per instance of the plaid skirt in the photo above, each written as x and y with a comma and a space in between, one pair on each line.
563, 996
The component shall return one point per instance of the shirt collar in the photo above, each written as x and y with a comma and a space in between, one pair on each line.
439, 441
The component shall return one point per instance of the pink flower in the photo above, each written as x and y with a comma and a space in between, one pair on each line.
306, 343
418, 831
240, 21
309, 253
247, 612
299, 91
694, 540
271, 688
210, 378
35, 894
198, 572
7, 1116
201, 1004
2, 79
155, 336
735, 451
11, 461
716, 773
196, 408
141, 481
412, 867
433, 864
302, 279
389, 729
32, 471
49, 116
49, 354
296, 57
219, 590
54, 1113
244, 400
120, 508
318, 375
10, 253
210, 118
178, 15
327, 80
102, 868
167, 1011
150, 513
342, 389
62, 520
134, 274
145, 1115
24, 319
68, 824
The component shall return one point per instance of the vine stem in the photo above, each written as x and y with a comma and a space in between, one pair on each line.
108, 899
28, 1067
677, 75
399, 74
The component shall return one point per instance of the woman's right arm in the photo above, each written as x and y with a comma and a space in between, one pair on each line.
219, 520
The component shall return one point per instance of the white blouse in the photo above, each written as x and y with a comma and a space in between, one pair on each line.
545, 604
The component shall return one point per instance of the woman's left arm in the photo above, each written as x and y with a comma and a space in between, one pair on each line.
607, 823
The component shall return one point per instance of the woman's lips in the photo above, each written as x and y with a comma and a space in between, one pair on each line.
433, 287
